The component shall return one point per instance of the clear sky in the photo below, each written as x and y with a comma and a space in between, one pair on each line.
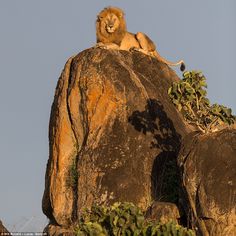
37, 37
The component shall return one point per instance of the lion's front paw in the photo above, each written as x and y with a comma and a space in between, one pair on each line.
101, 45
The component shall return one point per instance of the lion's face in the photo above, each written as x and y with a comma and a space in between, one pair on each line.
109, 23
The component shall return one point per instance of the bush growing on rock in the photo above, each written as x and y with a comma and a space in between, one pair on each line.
189, 96
72, 177
123, 219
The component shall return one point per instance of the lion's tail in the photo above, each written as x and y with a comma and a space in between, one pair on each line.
160, 58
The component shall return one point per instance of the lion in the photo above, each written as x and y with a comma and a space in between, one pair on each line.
111, 33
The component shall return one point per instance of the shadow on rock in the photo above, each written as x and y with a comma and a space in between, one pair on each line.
165, 174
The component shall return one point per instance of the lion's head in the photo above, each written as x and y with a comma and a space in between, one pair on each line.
110, 25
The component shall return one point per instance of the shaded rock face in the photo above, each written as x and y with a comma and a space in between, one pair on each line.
208, 164
163, 212
111, 129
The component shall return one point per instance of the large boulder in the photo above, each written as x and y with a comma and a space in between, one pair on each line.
111, 129
208, 164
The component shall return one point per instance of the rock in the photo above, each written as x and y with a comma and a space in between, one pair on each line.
56, 230
112, 128
163, 212
208, 164
3, 230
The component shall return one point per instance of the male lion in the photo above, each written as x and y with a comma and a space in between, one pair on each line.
112, 34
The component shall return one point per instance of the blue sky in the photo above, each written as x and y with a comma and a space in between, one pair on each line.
37, 37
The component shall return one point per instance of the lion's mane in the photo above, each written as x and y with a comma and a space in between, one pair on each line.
118, 35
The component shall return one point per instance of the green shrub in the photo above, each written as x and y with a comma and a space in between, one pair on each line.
189, 96
72, 177
124, 219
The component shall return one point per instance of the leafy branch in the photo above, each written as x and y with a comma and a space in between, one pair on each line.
124, 219
189, 96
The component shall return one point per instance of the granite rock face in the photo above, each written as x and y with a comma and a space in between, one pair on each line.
208, 164
163, 212
112, 128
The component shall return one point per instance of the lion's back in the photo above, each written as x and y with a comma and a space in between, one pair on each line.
129, 41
